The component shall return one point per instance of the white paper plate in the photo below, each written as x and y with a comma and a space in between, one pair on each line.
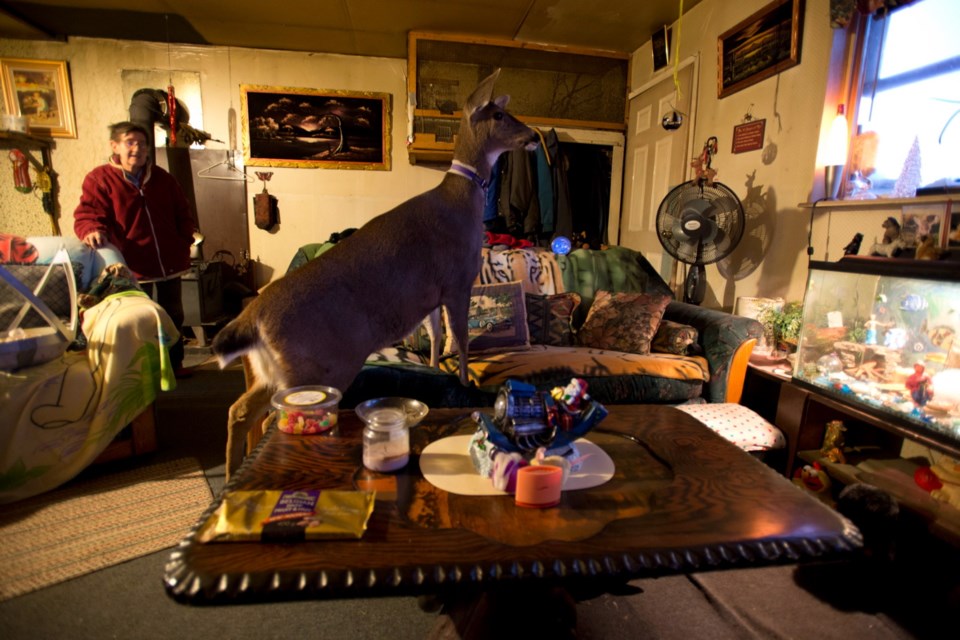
446, 465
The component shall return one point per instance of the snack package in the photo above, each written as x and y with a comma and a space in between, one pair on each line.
289, 516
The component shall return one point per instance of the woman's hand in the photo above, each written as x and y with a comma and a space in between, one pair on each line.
95, 239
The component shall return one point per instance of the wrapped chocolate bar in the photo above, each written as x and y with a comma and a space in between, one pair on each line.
288, 516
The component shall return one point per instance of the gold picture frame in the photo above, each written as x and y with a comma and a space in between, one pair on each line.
309, 128
760, 46
39, 90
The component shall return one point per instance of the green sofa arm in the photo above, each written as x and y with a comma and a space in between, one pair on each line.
726, 339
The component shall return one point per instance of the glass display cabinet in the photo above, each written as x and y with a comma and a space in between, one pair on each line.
549, 85
881, 335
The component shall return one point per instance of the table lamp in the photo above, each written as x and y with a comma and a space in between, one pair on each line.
833, 154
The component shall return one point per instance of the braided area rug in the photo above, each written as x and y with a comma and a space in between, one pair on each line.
92, 524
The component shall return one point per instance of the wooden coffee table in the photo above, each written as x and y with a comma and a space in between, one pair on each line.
682, 499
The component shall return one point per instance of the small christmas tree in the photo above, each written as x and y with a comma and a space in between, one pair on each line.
909, 179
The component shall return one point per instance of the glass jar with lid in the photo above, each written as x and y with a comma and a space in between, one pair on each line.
386, 440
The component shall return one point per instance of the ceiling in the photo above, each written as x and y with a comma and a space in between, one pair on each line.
354, 27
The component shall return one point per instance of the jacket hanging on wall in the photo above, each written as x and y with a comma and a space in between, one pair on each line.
266, 212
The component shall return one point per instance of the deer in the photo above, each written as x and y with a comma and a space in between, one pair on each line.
319, 323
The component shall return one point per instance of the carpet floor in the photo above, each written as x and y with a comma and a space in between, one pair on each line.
96, 523
128, 600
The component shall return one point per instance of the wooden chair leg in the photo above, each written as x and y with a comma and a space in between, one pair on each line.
256, 433
142, 438
144, 430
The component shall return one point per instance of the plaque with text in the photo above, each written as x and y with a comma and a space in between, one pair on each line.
748, 136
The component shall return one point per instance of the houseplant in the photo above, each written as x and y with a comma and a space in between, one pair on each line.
782, 324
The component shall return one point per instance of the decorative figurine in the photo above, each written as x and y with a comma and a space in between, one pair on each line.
527, 421
853, 248
919, 385
833, 442
891, 230
927, 249
891, 244
871, 326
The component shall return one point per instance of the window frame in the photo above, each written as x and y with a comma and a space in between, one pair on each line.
863, 34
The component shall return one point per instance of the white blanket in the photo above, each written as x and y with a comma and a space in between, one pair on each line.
59, 416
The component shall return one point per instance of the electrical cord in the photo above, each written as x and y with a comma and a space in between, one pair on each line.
813, 210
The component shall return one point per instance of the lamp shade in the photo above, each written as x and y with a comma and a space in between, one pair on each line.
833, 152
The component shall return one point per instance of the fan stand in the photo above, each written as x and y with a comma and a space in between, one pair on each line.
704, 212
695, 285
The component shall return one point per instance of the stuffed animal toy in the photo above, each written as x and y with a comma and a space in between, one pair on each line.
875, 513
814, 479
927, 250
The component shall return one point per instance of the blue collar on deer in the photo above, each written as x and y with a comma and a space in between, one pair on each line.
467, 171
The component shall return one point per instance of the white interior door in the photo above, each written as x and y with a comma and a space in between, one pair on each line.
656, 159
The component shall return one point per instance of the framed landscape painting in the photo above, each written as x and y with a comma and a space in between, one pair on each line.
760, 46
40, 91
308, 128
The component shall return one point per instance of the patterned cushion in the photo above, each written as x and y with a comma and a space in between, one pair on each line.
673, 337
550, 318
614, 269
497, 319
535, 269
397, 356
622, 321
612, 376
738, 424
55, 293
16, 250
418, 340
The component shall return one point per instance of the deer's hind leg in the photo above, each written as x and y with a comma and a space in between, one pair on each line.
432, 324
458, 309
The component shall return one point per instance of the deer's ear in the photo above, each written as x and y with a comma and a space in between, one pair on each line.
501, 101
482, 94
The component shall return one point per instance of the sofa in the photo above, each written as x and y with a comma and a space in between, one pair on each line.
695, 355
64, 411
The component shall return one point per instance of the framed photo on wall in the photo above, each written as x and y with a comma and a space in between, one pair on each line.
924, 220
308, 128
760, 46
661, 47
953, 231
39, 90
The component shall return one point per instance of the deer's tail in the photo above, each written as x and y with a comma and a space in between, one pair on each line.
235, 339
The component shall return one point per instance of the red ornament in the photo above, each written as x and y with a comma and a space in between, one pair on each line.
172, 110
926, 479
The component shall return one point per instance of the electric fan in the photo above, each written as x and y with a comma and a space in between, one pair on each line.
699, 223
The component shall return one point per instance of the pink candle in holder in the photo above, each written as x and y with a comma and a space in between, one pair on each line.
539, 486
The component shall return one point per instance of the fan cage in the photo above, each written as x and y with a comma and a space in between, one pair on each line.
727, 213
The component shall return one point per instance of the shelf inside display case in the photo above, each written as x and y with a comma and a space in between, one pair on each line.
881, 335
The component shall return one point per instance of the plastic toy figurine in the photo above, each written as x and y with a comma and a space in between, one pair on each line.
871, 326
814, 479
892, 243
833, 442
919, 385
533, 423
526, 419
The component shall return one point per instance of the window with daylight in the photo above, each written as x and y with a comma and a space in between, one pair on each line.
908, 114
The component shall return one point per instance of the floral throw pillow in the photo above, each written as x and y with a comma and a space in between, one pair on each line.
622, 321
550, 318
497, 319
673, 337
